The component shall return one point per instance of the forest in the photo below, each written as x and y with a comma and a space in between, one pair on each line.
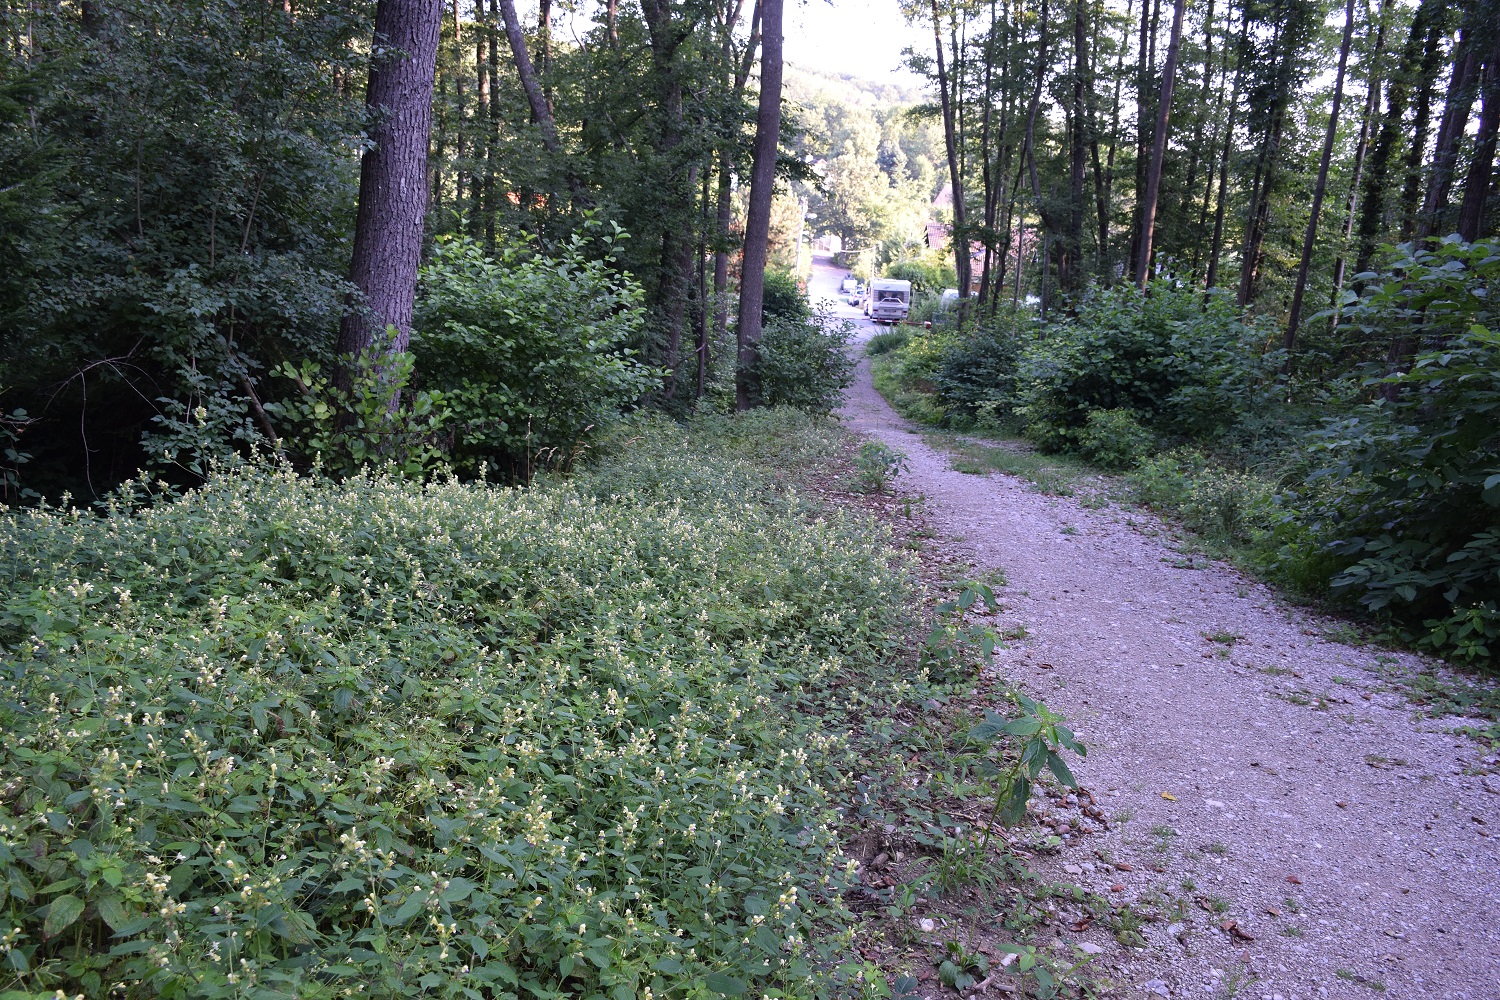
417, 567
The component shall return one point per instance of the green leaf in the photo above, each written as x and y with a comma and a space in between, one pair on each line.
724, 985
61, 914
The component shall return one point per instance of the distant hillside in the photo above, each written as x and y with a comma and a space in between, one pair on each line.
803, 86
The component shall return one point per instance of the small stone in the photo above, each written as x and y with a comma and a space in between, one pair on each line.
1089, 948
1176, 929
1072, 869
1156, 986
927, 924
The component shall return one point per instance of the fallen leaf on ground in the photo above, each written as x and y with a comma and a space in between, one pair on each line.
1169, 796
1117, 887
1271, 911
1236, 931
1294, 880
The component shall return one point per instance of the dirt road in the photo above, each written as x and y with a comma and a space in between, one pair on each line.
1256, 772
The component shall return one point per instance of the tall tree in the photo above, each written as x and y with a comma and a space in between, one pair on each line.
758, 214
392, 177
1322, 185
1158, 148
953, 142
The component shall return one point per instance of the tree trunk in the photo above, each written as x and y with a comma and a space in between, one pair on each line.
481, 116
392, 179
1361, 148
459, 178
1322, 185
1077, 153
1150, 18
758, 215
1411, 188
724, 212
1158, 148
1107, 199
541, 114
1216, 244
1461, 86
1398, 94
951, 141
1471, 212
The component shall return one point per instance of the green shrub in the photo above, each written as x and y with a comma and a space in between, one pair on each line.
342, 430
1416, 518
805, 363
284, 737
1185, 371
886, 342
783, 299
976, 372
1115, 439
877, 464
530, 352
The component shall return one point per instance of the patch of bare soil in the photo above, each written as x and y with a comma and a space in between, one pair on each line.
1270, 817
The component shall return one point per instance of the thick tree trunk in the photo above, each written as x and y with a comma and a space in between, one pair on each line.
955, 174
392, 178
1158, 148
1144, 111
1480, 180
758, 214
1322, 185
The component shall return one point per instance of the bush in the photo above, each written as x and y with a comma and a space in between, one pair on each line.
1416, 517
529, 352
1183, 370
1115, 439
805, 363
976, 373
452, 740
783, 299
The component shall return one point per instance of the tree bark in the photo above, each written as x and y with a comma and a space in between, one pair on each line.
1322, 184
392, 179
1477, 185
1158, 148
758, 215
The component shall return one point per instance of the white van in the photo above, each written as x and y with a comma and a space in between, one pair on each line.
889, 300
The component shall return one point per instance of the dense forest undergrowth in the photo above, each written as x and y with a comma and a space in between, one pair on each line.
1338, 475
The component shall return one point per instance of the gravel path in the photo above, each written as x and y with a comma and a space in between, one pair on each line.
1352, 840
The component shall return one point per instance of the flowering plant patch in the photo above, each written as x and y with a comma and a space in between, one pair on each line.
285, 738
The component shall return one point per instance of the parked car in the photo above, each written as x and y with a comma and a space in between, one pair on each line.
855, 295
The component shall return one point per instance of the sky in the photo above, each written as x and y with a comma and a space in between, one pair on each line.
859, 37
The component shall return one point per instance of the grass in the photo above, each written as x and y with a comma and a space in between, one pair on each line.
1350, 976
1054, 475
